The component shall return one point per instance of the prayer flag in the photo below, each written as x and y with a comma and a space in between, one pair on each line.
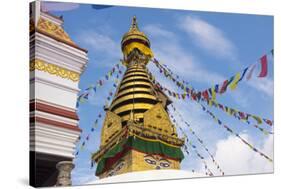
233, 84
244, 72
216, 88
213, 94
205, 94
268, 122
258, 119
251, 71
263, 62
224, 85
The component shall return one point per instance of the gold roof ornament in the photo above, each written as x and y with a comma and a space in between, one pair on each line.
134, 38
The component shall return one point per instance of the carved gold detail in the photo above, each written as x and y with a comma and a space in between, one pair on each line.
157, 119
53, 70
53, 29
111, 126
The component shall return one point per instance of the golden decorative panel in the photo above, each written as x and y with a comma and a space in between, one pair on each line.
53, 30
157, 119
111, 126
53, 70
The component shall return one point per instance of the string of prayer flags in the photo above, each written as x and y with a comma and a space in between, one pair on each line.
88, 136
83, 97
211, 93
185, 136
231, 83
236, 134
243, 116
169, 74
194, 149
99, 116
198, 139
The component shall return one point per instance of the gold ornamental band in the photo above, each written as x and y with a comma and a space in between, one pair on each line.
135, 83
132, 96
134, 74
135, 78
133, 106
139, 89
52, 69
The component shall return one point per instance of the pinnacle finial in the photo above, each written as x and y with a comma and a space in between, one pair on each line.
134, 25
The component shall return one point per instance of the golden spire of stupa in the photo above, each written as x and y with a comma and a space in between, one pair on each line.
134, 38
137, 133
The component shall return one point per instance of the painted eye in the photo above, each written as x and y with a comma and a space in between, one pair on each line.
164, 164
152, 162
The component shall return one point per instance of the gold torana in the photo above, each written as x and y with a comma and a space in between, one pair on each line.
137, 133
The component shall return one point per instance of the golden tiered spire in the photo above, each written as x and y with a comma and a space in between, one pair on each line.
137, 133
134, 26
134, 38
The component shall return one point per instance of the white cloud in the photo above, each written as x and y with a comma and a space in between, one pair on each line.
264, 85
100, 43
157, 31
208, 37
234, 157
168, 51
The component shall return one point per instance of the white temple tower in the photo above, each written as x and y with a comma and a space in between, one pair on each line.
56, 64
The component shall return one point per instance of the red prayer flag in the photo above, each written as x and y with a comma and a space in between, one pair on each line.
263, 62
268, 122
242, 115
205, 94
224, 85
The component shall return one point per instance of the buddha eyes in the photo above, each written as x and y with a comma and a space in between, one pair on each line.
164, 164
153, 162
149, 161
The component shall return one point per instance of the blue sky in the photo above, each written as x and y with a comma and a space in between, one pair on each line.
204, 48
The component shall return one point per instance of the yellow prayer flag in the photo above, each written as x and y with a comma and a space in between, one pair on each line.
258, 119
210, 102
213, 94
233, 84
